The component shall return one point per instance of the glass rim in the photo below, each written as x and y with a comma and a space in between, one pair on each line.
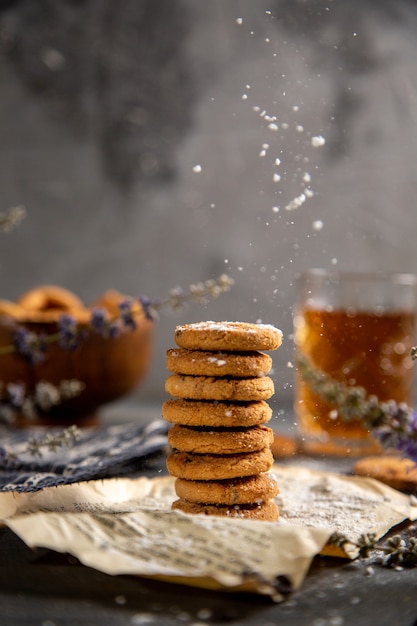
399, 278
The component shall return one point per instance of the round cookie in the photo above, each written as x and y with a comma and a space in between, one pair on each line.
215, 414
234, 336
220, 441
265, 511
11, 309
212, 388
395, 471
47, 303
205, 363
247, 490
49, 297
218, 467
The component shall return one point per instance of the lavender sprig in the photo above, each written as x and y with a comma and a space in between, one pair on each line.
33, 346
68, 332
178, 299
393, 424
36, 445
396, 551
30, 345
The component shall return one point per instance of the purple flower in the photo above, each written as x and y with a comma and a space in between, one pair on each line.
149, 308
68, 338
407, 439
98, 321
30, 345
126, 315
113, 330
398, 429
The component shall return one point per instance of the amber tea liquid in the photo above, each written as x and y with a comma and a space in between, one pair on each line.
368, 349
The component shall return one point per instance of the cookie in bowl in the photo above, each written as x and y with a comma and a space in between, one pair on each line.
73, 342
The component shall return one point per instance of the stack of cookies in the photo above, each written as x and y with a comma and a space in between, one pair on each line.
221, 447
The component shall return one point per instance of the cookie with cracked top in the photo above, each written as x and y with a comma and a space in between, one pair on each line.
233, 336
212, 388
192, 466
216, 414
245, 490
396, 471
207, 440
265, 511
216, 363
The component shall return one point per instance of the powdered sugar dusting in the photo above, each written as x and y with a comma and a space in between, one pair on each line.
231, 327
216, 361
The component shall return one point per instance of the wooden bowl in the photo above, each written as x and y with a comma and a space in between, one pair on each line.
108, 368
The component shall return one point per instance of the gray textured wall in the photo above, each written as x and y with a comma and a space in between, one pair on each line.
106, 108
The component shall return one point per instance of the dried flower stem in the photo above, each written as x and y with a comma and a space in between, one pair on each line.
198, 292
393, 424
396, 551
33, 346
35, 445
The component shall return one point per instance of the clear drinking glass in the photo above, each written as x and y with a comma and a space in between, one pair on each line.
357, 329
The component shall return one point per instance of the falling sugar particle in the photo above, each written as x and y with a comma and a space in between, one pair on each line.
334, 261
262, 153
290, 365
273, 126
309, 193
275, 209
197, 169
296, 108
318, 141
317, 225
276, 178
244, 96
307, 177
239, 20
277, 161
240, 268
265, 146
299, 128
296, 202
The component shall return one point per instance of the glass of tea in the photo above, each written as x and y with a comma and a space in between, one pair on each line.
355, 330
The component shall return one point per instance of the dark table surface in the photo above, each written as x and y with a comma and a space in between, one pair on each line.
43, 588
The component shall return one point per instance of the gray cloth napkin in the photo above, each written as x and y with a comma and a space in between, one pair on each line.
104, 452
